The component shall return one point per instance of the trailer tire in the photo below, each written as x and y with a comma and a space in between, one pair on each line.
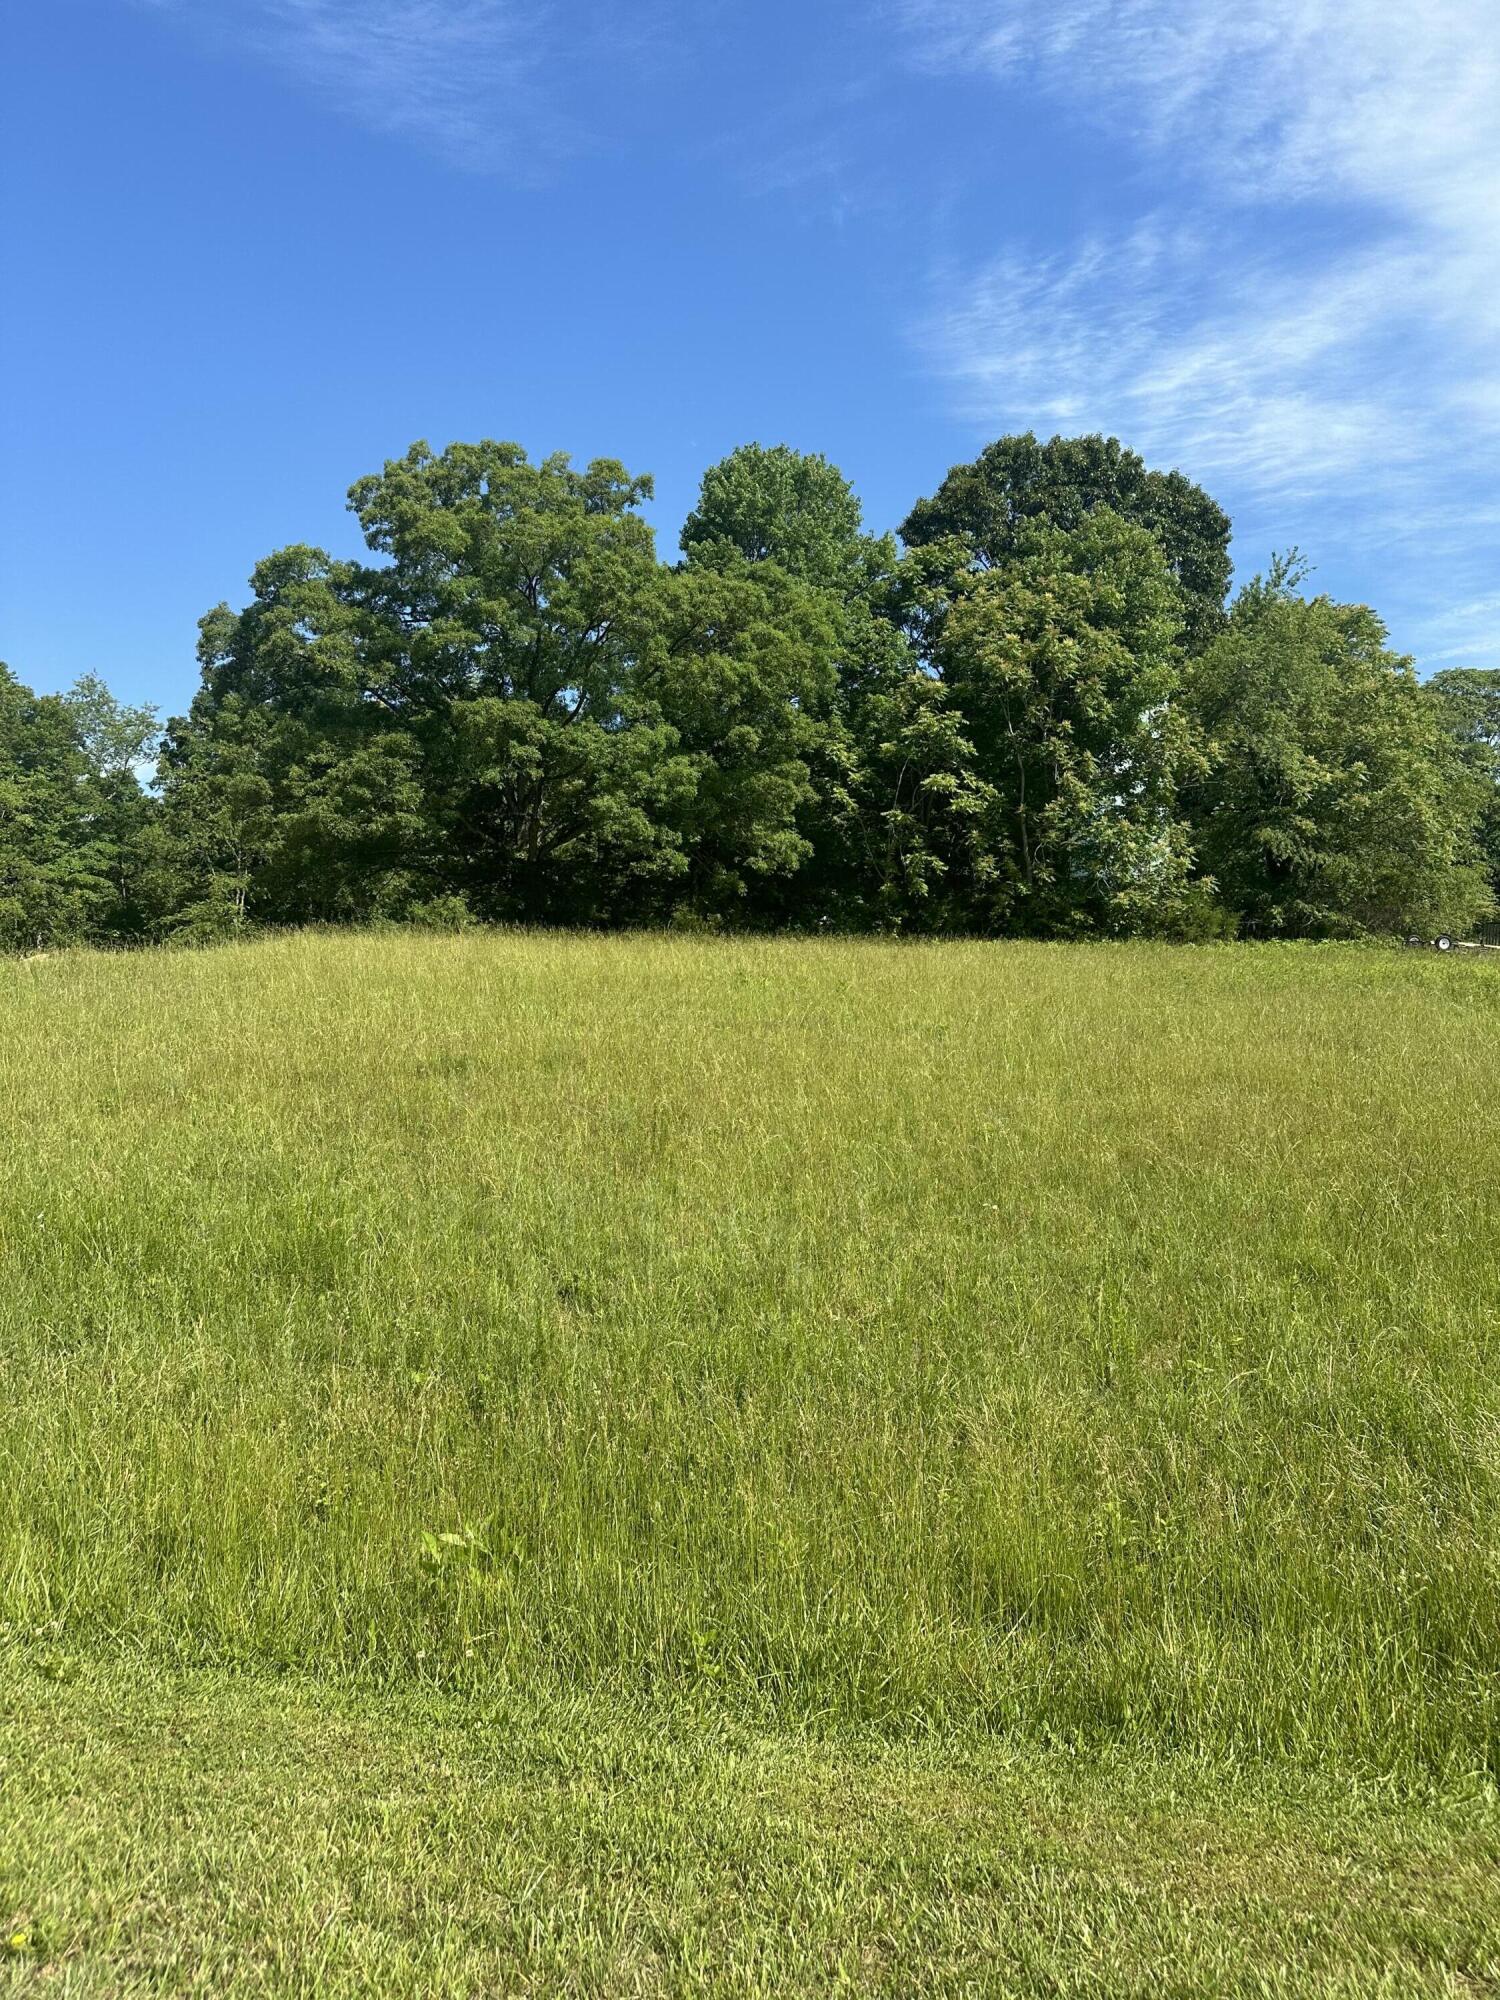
1443, 943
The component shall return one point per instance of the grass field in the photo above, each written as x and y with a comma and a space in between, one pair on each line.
1058, 1381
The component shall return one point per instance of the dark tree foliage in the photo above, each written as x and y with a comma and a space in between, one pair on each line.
1015, 483
1467, 704
1037, 719
792, 508
519, 712
1026, 774
72, 817
792, 513
1331, 803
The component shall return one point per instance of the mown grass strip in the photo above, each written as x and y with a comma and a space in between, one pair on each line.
204, 1833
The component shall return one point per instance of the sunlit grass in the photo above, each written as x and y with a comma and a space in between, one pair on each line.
1090, 1342
200, 1833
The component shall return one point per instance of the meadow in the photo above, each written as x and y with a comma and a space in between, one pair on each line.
1081, 1357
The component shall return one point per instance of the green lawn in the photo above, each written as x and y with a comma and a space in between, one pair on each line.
769, 1462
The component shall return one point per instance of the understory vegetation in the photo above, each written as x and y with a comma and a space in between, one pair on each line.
1038, 713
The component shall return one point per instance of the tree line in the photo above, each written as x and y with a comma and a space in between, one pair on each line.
1036, 713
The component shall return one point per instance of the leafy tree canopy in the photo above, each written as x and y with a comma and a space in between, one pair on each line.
990, 506
54, 855
518, 706
1330, 804
1035, 777
1036, 719
1467, 703
793, 508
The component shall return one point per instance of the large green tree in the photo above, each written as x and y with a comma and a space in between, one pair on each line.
1030, 774
1332, 804
793, 517
738, 663
516, 705
289, 791
793, 508
118, 743
1466, 701
55, 855
1038, 719
992, 505
502, 631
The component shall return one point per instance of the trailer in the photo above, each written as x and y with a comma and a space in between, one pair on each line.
1486, 938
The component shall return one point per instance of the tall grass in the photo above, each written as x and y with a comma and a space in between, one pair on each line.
1087, 1340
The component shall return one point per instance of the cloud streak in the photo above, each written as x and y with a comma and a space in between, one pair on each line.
1287, 96
1319, 309
1294, 382
463, 79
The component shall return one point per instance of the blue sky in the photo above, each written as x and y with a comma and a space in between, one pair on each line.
258, 246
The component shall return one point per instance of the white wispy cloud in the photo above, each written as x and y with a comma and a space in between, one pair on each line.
1380, 99
474, 81
1320, 308
1293, 380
